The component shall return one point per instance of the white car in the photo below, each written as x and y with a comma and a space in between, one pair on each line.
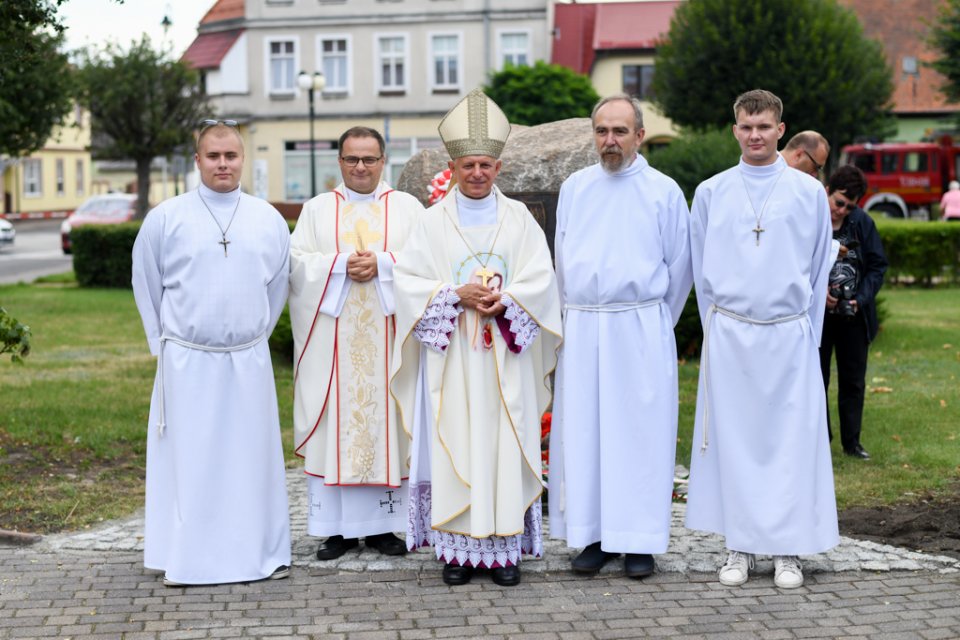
7, 233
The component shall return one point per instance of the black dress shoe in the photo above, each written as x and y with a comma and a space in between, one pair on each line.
592, 559
638, 565
386, 543
857, 452
506, 576
335, 546
455, 575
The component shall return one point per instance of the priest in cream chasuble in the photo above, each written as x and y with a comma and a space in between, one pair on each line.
355, 455
478, 328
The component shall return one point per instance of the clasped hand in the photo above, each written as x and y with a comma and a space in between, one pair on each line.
484, 300
362, 266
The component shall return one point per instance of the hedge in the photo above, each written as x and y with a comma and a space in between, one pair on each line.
924, 253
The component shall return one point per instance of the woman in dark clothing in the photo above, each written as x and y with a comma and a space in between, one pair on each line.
851, 319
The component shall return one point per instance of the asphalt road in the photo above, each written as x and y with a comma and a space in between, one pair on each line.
36, 252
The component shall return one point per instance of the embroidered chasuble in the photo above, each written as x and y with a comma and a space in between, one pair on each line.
477, 401
344, 418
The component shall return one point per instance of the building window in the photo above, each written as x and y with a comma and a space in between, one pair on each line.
61, 188
445, 58
637, 79
32, 178
335, 62
282, 66
392, 61
514, 48
79, 177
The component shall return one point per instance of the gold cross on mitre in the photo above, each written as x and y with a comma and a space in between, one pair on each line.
361, 234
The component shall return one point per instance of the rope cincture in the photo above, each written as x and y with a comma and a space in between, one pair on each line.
162, 423
614, 307
705, 353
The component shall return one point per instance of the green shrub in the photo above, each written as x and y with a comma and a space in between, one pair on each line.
102, 254
14, 337
694, 157
281, 340
924, 253
688, 332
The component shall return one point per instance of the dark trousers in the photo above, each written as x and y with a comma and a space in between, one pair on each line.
848, 337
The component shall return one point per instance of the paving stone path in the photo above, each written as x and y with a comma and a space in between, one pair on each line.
92, 584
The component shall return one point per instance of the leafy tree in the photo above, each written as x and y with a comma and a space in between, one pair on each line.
695, 156
142, 103
34, 75
945, 38
812, 54
541, 93
14, 337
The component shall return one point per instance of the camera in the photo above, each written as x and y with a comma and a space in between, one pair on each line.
843, 287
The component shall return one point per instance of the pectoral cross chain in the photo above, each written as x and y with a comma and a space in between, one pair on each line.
758, 231
224, 242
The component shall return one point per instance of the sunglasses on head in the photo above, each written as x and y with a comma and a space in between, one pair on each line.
206, 124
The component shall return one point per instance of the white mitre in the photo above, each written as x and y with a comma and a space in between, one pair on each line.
475, 127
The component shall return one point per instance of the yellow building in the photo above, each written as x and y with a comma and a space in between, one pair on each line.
53, 181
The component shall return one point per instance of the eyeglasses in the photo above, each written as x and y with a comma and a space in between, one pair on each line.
368, 161
206, 124
849, 206
818, 166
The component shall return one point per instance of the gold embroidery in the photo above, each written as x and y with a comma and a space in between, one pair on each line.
363, 414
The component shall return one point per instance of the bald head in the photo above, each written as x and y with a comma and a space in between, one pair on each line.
807, 151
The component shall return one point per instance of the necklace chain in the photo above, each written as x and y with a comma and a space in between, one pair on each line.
763, 208
483, 263
223, 232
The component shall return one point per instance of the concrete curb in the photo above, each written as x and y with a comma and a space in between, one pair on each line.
18, 539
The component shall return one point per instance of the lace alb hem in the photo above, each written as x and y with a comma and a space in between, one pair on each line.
439, 320
485, 553
524, 328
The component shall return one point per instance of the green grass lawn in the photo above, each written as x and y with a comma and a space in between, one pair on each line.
73, 417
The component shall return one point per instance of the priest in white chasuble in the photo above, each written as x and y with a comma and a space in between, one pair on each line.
210, 280
342, 254
623, 263
761, 472
478, 327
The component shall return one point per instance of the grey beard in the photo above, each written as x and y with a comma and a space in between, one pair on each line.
612, 163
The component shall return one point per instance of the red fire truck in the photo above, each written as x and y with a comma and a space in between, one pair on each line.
905, 178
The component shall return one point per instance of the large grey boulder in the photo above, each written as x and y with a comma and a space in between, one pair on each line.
535, 159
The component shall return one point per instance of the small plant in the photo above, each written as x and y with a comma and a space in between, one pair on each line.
14, 337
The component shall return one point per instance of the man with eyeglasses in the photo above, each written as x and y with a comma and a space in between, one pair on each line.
761, 473
342, 254
807, 151
851, 323
210, 280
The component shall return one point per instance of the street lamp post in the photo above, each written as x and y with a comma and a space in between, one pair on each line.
309, 83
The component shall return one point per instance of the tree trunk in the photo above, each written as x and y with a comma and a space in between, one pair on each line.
143, 187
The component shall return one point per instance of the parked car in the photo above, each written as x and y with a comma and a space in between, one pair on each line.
109, 208
7, 233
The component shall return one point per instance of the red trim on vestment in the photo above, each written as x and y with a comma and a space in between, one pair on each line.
326, 399
316, 315
336, 220
386, 390
336, 342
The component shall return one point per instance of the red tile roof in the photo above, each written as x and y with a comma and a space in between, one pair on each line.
224, 10
902, 26
208, 49
583, 29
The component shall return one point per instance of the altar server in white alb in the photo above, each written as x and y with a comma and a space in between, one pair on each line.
478, 326
342, 253
623, 264
210, 280
760, 239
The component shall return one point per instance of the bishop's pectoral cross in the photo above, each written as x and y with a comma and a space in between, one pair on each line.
224, 242
485, 274
758, 231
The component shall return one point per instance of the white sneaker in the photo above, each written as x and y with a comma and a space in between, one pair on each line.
735, 570
787, 572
